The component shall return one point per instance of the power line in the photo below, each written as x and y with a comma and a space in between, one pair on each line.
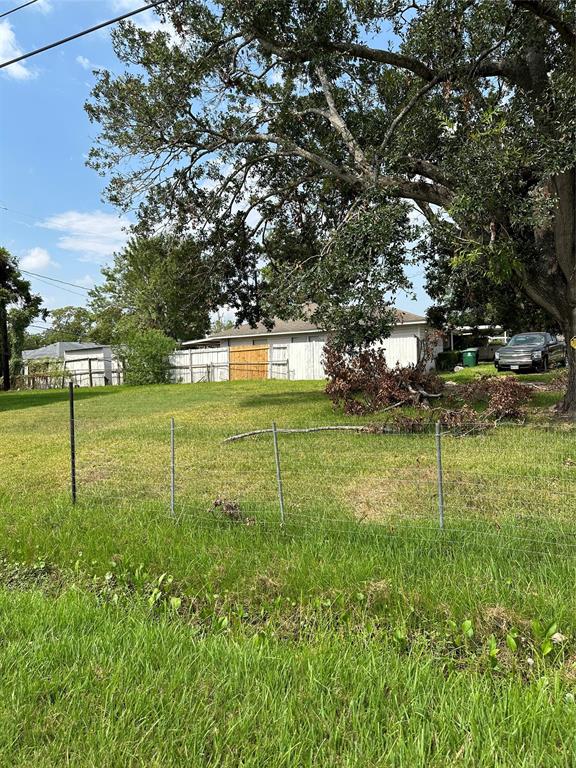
81, 34
7, 13
76, 293
55, 280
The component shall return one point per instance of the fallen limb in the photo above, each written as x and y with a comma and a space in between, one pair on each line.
423, 393
348, 428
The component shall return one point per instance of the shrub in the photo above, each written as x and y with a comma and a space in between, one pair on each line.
363, 383
445, 361
145, 355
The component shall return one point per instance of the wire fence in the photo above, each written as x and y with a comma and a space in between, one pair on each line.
507, 486
511, 487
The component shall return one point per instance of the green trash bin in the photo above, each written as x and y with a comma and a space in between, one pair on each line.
470, 357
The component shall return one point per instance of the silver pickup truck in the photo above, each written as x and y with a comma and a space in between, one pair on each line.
532, 351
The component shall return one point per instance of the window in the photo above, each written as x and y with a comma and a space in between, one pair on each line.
527, 340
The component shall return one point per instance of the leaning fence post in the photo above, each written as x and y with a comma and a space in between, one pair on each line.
440, 473
278, 472
172, 468
72, 442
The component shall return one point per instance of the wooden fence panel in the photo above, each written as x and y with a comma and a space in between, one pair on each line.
248, 363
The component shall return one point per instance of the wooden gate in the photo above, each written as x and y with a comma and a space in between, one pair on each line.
248, 363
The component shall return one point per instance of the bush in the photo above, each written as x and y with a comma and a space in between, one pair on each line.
363, 383
145, 355
445, 361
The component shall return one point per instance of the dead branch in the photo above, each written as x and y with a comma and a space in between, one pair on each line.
366, 428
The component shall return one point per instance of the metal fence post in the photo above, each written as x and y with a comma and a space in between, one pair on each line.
440, 473
172, 468
278, 472
72, 442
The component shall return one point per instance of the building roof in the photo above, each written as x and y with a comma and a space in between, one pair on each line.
284, 327
54, 351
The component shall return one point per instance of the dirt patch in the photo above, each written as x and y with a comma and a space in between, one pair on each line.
497, 619
377, 593
403, 492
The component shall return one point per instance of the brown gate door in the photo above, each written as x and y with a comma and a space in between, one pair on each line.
248, 363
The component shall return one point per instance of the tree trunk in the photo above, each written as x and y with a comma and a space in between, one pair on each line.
567, 405
565, 244
5, 347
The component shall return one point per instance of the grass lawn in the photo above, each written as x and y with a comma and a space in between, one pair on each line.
359, 634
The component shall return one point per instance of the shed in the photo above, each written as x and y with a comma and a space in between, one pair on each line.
292, 349
51, 353
93, 365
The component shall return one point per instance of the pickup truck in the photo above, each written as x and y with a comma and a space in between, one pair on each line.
534, 351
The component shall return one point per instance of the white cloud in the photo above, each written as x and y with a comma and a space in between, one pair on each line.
9, 49
84, 62
85, 282
277, 77
94, 236
37, 258
44, 6
148, 21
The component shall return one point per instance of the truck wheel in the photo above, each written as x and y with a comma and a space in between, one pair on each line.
544, 365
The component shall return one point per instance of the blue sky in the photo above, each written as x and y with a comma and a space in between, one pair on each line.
52, 217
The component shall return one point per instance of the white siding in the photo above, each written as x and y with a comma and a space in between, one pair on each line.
194, 365
401, 348
304, 351
278, 356
101, 361
305, 357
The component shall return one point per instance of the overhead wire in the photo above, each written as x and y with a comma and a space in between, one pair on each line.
76, 293
54, 280
82, 33
18, 8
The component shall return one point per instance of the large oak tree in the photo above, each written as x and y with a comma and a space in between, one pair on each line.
295, 133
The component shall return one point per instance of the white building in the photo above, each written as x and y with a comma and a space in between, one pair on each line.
84, 363
292, 349
93, 365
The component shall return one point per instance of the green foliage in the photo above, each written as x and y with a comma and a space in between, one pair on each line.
144, 354
219, 324
158, 283
18, 308
284, 130
445, 361
69, 324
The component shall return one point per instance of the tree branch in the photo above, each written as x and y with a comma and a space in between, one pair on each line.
359, 51
538, 295
406, 110
340, 126
427, 169
544, 11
